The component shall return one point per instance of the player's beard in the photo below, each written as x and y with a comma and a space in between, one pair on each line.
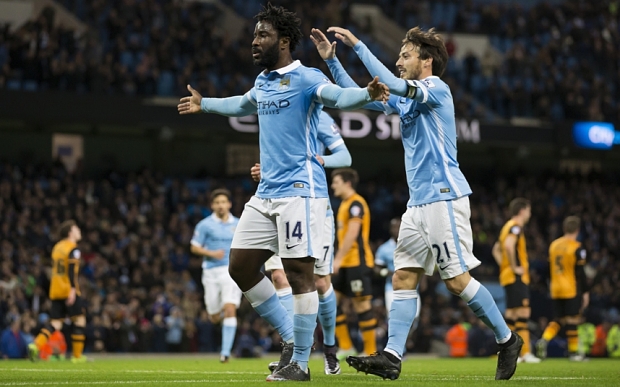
415, 73
269, 57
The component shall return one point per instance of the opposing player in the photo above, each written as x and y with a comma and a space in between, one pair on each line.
354, 262
514, 273
65, 294
384, 266
435, 229
329, 138
212, 238
569, 289
287, 213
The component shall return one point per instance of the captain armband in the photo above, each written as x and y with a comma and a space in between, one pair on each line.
412, 89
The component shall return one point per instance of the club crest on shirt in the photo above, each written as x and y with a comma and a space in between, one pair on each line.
285, 83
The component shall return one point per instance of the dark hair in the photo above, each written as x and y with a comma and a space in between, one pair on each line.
430, 45
348, 175
65, 228
571, 224
518, 204
219, 192
285, 22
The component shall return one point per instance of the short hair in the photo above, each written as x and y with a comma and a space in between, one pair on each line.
430, 45
571, 224
518, 204
284, 21
348, 175
220, 192
65, 228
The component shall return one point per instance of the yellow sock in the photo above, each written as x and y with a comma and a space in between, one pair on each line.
342, 333
572, 338
369, 335
42, 338
551, 331
77, 342
523, 331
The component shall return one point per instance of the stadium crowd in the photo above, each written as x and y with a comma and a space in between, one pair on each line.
143, 286
552, 62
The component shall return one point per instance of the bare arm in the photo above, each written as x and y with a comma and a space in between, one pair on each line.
509, 247
355, 227
497, 253
199, 250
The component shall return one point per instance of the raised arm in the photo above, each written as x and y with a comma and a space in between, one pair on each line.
352, 98
327, 51
237, 106
375, 67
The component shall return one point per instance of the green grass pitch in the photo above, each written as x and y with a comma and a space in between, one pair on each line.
151, 371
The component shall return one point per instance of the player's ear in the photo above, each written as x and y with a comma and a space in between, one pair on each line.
429, 62
285, 42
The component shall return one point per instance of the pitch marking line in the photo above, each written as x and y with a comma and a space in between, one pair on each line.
111, 382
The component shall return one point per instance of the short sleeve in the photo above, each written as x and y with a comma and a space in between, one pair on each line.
313, 82
329, 133
515, 230
199, 235
251, 96
581, 256
431, 91
356, 210
380, 256
75, 254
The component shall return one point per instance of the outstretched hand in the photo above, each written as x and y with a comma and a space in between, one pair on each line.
345, 35
190, 105
326, 49
378, 91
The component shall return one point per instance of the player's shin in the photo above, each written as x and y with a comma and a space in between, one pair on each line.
367, 324
482, 304
44, 335
265, 302
77, 341
306, 307
285, 296
327, 316
229, 328
402, 314
342, 331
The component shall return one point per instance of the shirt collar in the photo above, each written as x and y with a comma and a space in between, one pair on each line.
289, 68
218, 220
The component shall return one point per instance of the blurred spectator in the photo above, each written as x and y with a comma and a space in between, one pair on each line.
12, 342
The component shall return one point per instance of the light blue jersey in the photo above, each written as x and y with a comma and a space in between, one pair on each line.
385, 257
288, 102
428, 130
330, 138
214, 234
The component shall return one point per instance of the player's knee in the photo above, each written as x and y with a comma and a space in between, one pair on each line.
361, 304
457, 284
56, 324
322, 283
278, 277
79, 321
215, 318
406, 279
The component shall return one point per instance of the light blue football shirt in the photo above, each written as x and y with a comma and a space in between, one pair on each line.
288, 109
385, 257
428, 130
329, 138
212, 233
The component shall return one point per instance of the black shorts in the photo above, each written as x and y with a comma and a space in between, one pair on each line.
517, 294
353, 281
566, 307
60, 309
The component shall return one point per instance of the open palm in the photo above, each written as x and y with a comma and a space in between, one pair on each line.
190, 105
